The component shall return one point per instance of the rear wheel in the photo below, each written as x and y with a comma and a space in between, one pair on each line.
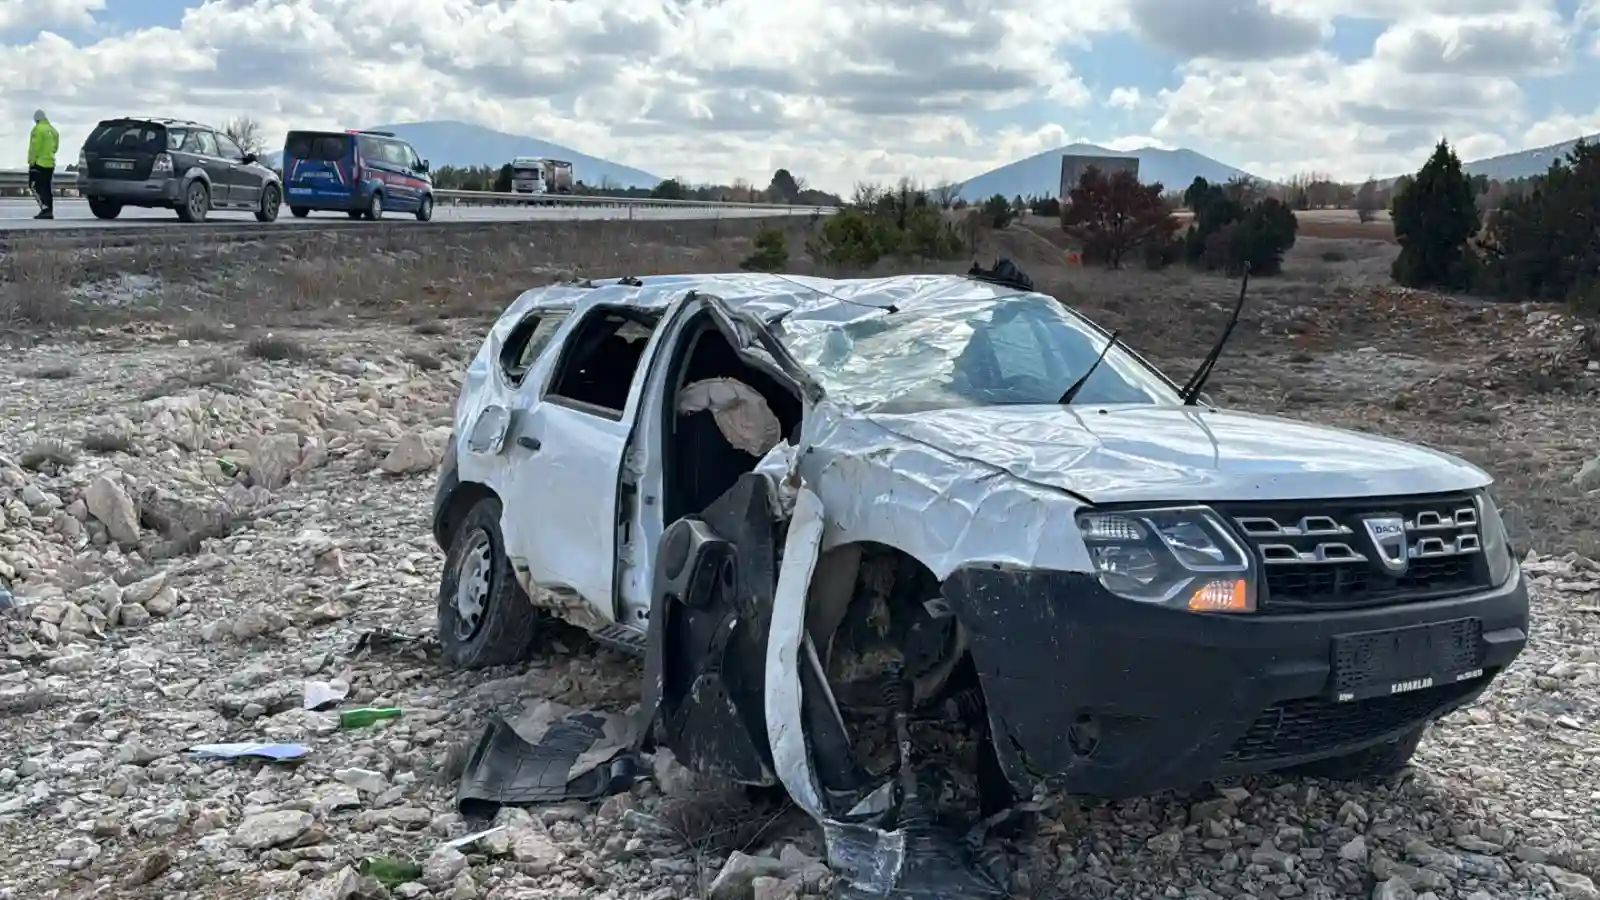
105, 209
1371, 764
271, 200
375, 207
485, 618
299, 212
425, 209
196, 203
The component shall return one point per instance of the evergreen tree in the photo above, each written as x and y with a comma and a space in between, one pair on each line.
1434, 219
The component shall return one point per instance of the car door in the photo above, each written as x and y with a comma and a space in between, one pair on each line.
244, 180
565, 454
203, 145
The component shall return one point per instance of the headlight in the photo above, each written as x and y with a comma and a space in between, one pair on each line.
1496, 540
1182, 557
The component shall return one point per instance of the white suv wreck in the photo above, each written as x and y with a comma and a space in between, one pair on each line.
824, 509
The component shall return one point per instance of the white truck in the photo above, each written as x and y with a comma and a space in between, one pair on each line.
538, 175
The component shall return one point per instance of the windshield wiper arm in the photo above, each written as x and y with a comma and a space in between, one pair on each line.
1071, 393
1190, 394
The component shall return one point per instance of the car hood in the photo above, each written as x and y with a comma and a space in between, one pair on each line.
1112, 454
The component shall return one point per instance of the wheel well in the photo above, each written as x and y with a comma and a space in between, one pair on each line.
896, 598
466, 495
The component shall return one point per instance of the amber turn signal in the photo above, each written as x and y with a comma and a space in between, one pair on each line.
1231, 596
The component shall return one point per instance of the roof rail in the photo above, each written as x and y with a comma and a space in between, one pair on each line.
366, 131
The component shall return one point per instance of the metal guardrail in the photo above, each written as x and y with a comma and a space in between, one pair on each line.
65, 186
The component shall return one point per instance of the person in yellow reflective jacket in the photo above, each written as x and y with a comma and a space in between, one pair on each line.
42, 146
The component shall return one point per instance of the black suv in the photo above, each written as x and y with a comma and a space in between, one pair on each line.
173, 164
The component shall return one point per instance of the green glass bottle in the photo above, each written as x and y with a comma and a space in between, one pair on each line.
361, 718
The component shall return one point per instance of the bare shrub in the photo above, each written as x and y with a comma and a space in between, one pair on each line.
274, 348
106, 442
48, 456
53, 373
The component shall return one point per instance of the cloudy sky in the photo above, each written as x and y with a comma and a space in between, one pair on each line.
837, 90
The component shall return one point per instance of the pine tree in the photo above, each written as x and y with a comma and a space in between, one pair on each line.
1434, 218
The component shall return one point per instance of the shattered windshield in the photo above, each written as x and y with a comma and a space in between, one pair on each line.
1021, 349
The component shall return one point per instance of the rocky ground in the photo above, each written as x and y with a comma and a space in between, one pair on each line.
198, 523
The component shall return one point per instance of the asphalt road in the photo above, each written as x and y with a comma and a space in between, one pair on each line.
17, 214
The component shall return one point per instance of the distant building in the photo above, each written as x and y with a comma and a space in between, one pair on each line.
1072, 168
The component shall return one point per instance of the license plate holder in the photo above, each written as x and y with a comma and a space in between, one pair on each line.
1401, 660
119, 164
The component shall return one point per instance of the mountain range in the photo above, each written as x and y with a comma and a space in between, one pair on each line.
1523, 163
1041, 172
455, 143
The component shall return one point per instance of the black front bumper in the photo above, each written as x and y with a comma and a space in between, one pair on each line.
1111, 698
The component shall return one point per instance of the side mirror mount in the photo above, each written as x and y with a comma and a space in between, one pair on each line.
1205, 399
250, 159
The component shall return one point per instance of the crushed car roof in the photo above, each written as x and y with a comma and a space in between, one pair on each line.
771, 296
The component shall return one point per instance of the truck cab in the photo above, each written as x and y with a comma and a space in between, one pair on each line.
538, 175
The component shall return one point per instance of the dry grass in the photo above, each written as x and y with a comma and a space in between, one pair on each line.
212, 291
33, 281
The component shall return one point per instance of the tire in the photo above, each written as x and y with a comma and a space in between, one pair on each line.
501, 622
196, 202
1372, 764
299, 212
105, 209
271, 202
425, 209
374, 210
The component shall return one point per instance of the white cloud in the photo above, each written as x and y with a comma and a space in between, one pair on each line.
835, 90
1126, 98
17, 15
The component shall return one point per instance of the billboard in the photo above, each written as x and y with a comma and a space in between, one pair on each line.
1072, 168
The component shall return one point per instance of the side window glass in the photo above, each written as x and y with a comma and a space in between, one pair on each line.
229, 149
529, 339
599, 359
206, 142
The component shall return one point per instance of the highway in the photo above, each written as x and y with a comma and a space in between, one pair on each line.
16, 214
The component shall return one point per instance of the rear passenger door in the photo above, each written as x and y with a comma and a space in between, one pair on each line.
566, 453
203, 144
244, 182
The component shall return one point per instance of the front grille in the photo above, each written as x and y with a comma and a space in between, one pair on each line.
1346, 554
1307, 727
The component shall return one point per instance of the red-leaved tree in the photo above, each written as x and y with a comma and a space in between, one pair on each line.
1111, 215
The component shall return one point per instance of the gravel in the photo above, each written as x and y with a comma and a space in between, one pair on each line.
268, 527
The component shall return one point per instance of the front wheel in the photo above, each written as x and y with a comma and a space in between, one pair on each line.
425, 209
485, 618
105, 209
299, 212
1371, 764
196, 203
271, 200
375, 208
